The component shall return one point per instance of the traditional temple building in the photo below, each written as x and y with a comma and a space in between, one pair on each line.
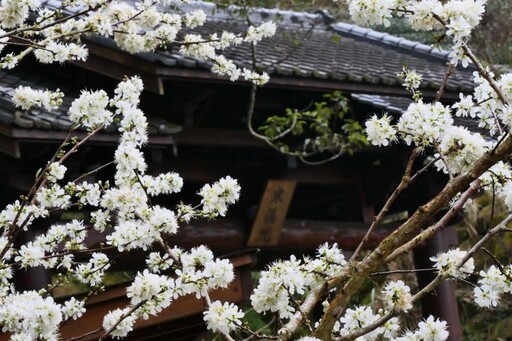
198, 128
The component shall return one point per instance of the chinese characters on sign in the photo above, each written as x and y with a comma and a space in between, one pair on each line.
271, 212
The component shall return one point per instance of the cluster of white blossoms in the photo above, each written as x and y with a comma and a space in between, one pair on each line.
449, 264
492, 285
459, 17
460, 149
14, 13
154, 293
219, 195
59, 52
412, 79
135, 27
284, 279
490, 111
121, 320
73, 308
90, 110
431, 329
223, 318
199, 272
204, 49
276, 287
379, 130
424, 123
92, 272
29, 316
397, 296
378, 12
363, 316
25, 97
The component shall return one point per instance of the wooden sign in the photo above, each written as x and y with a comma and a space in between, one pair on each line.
271, 213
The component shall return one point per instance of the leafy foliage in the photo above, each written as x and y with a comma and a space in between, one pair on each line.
325, 126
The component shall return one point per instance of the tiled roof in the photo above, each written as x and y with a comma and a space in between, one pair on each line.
304, 47
37, 118
312, 46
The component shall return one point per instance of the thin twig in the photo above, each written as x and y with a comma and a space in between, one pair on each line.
256, 332
447, 75
431, 230
92, 332
125, 315
426, 168
93, 171
366, 329
383, 273
404, 183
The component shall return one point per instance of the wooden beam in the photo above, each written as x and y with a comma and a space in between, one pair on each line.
10, 147
272, 212
309, 84
218, 137
225, 236
194, 136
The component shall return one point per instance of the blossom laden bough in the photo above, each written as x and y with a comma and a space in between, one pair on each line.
125, 213
54, 34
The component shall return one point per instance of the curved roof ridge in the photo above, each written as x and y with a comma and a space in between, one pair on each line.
258, 14
389, 39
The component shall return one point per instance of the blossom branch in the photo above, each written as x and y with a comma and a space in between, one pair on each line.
447, 75
366, 329
94, 171
431, 230
385, 273
92, 332
286, 332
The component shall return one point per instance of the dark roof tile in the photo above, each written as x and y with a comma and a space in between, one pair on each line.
40, 122
22, 121
320, 74
6, 116
188, 62
41, 119
359, 51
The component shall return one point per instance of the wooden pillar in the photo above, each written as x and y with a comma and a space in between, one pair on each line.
442, 302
